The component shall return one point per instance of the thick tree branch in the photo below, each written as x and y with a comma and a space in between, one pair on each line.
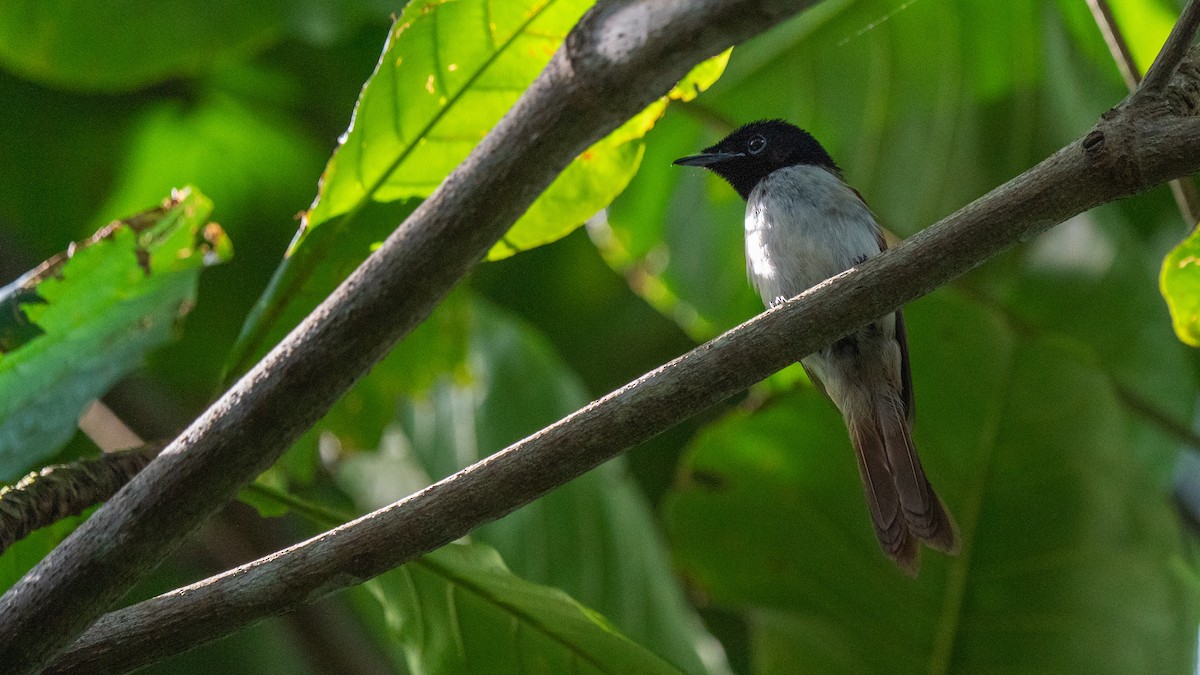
621, 56
1132, 148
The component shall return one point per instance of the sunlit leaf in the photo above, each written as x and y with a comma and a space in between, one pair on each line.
602, 172
448, 73
72, 327
1180, 285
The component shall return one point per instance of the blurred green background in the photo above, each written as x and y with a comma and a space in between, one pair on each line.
1046, 381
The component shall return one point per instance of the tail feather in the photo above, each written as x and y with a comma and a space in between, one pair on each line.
924, 512
903, 505
883, 502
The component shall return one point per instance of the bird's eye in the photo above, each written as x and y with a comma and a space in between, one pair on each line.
756, 145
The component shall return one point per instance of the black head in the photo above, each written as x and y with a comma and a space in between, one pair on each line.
746, 156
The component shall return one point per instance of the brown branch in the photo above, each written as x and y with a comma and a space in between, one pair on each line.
621, 56
1131, 149
1117, 46
44, 497
1183, 190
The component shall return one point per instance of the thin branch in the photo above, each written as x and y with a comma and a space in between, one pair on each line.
1147, 410
1183, 190
621, 56
47, 496
1117, 46
1086, 173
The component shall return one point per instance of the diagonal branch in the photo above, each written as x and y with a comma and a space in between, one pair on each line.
1184, 190
621, 56
1117, 46
1172, 53
1131, 149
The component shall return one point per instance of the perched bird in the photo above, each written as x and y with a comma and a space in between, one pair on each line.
804, 224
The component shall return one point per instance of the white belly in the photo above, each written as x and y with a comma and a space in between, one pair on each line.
804, 225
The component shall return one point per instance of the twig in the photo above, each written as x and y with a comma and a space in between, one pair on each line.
1147, 410
1080, 176
1117, 46
621, 56
44, 497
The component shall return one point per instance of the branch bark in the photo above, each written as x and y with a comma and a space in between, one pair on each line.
1184, 190
621, 56
1139, 144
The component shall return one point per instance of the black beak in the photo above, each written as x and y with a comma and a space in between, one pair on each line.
707, 158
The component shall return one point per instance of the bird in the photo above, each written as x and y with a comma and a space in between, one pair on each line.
804, 224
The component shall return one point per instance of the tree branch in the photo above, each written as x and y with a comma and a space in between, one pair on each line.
1117, 46
1184, 190
1133, 147
621, 56
59, 491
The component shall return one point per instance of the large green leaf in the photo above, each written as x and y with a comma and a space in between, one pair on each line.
459, 610
449, 71
1090, 283
593, 538
129, 43
1071, 559
121, 45
1180, 285
73, 326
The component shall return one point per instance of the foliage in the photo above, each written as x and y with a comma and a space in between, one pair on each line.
738, 542
80, 321
1180, 282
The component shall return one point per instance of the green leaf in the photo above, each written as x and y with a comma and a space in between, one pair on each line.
594, 538
1090, 283
602, 172
437, 349
925, 110
115, 46
1180, 285
1071, 557
459, 610
76, 324
448, 73
311, 269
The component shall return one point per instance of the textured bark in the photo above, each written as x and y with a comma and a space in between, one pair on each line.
1144, 142
622, 55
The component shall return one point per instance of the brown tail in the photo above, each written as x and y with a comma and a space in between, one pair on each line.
903, 505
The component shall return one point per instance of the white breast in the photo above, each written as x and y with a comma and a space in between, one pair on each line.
804, 225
